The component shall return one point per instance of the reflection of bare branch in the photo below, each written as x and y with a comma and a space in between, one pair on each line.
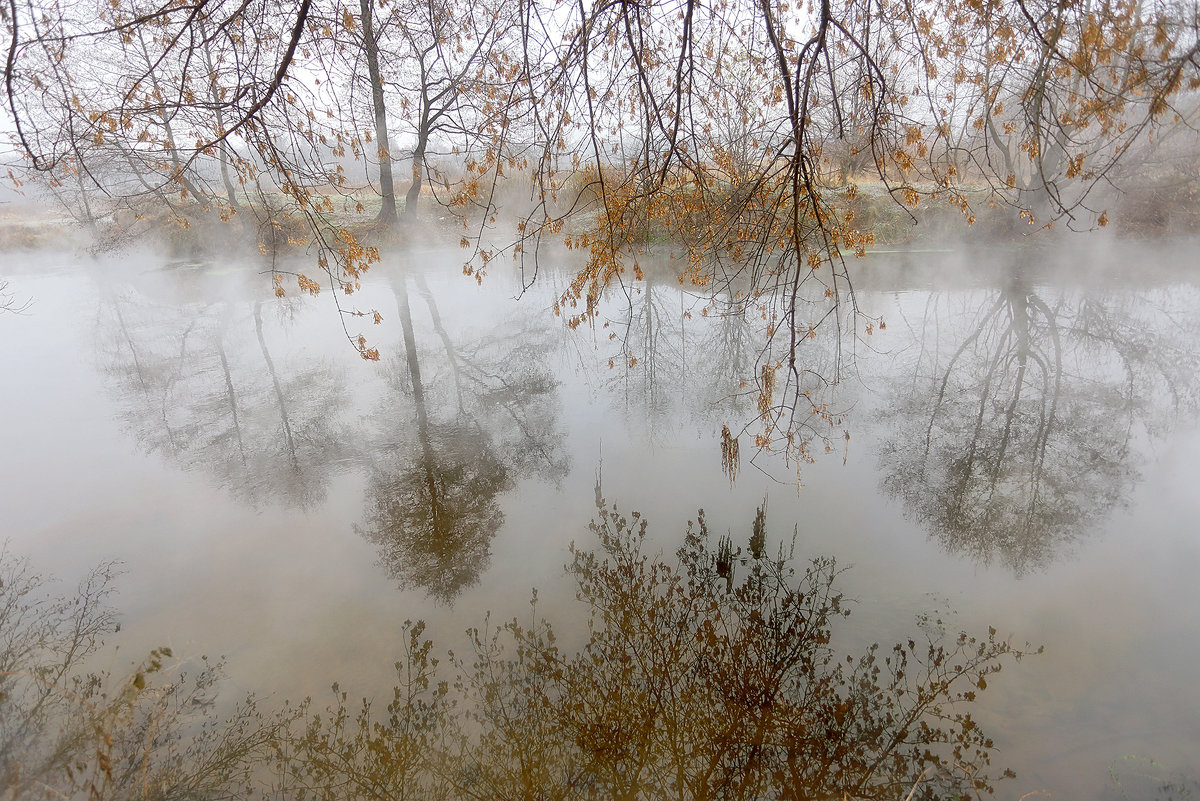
9, 302
279, 399
229, 393
451, 352
650, 371
941, 394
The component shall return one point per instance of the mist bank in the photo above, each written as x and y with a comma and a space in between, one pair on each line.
1162, 207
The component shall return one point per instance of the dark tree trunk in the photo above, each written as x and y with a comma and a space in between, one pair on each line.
413, 197
387, 212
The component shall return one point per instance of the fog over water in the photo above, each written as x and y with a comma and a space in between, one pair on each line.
1021, 454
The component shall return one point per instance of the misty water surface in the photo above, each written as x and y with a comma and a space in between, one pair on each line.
1020, 454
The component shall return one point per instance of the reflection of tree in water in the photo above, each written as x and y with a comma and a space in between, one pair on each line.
1021, 436
433, 503
200, 385
712, 360
649, 373
434, 523
723, 341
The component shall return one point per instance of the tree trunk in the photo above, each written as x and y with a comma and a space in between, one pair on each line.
413, 197
387, 212
223, 145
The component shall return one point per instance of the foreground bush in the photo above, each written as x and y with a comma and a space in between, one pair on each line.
709, 675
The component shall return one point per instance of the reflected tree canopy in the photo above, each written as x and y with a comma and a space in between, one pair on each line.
461, 420
1019, 434
433, 499
200, 384
434, 522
